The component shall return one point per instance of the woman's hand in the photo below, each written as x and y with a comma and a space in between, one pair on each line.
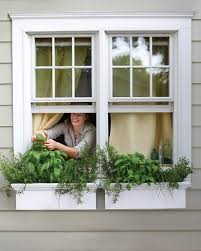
51, 144
38, 132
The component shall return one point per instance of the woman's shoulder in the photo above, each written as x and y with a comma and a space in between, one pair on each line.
89, 127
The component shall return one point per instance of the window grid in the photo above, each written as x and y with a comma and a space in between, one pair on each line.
53, 67
150, 66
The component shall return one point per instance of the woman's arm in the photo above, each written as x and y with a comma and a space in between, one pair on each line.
71, 151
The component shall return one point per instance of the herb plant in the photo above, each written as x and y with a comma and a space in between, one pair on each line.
124, 171
40, 165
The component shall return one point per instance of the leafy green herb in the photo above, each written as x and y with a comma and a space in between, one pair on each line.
124, 171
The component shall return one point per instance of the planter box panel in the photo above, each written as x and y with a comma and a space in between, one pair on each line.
43, 197
148, 198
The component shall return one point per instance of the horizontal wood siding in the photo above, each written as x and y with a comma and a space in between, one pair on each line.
101, 241
5, 74
6, 118
5, 95
6, 137
5, 52
5, 34
196, 153
174, 230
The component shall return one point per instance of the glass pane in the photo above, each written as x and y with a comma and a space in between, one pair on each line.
160, 51
82, 51
120, 51
160, 82
146, 133
140, 51
43, 51
63, 83
43, 83
121, 82
63, 51
141, 80
83, 82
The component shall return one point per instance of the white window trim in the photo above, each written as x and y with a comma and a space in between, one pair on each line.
100, 24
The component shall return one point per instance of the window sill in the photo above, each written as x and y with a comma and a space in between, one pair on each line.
150, 197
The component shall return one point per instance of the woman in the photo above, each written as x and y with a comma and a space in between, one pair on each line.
77, 131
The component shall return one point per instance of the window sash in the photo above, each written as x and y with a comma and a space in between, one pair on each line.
170, 66
53, 67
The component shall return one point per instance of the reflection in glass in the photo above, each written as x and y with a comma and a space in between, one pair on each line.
43, 83
160, 51
141, 79
83, 83
140, 51
43, 51
160, 78
82, 51
120, 51
121, 82
63, 51
63, 83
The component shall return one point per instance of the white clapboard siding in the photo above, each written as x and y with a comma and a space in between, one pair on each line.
5, 31
196, 32
196, 153
196, 73
5, 52
196, 94
6, 118
5, 94
5, 74
196, 115
196, 136
6, 137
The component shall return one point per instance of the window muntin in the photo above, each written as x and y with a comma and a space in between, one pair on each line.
63, 67
140, 66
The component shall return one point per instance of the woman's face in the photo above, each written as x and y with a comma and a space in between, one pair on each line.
78, 119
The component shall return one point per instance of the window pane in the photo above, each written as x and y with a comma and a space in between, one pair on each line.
82, 51
140, 51
63, 85
83, 82
160, 82
141, 79
120, 51
63, 51
43, 51
160, 51
43, 83
121, 82
146, 133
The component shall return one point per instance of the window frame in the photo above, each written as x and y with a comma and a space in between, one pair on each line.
101, 25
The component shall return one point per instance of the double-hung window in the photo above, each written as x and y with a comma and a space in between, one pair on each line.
141, 94
131, 72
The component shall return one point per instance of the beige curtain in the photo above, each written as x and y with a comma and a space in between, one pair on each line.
140, 132
45, 120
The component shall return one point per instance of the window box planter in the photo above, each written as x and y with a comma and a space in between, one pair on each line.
42, 196
150, 197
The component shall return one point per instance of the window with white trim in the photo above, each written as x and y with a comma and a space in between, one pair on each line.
139, 64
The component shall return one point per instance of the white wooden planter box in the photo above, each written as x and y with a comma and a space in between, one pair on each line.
42, 196
150, 197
